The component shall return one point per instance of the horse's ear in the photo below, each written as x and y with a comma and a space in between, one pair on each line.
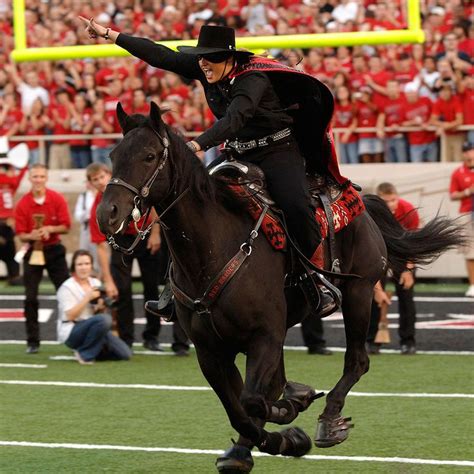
125, 121
155, 118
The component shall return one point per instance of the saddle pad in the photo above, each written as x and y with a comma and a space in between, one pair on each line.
345, 208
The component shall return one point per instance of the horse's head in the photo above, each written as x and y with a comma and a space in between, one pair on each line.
141, 174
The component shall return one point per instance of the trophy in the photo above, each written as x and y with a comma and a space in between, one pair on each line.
37, 256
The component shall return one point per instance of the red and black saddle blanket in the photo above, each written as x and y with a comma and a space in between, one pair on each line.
346, 204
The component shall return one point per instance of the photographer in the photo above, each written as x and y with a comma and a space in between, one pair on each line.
83, 324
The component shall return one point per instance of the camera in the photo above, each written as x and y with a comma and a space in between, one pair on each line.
109, 302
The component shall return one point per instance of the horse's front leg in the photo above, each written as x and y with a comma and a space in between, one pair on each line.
332, 427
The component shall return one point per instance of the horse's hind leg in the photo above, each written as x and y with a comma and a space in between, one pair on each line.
332, 427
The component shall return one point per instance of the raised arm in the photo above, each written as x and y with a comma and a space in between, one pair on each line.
154, 54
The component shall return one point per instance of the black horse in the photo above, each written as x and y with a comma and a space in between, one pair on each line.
204, 227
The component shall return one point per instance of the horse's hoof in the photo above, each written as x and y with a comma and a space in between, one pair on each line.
332, 431
236, 460
298, 443
303, 395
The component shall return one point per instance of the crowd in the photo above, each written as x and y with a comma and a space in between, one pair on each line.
429, 86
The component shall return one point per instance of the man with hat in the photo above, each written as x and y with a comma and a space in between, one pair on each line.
462, 189
268, 114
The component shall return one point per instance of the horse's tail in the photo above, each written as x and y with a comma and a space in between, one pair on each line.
421, 246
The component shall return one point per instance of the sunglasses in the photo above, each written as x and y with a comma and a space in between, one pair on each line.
215, 57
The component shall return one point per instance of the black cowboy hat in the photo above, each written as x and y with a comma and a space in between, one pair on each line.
215, 39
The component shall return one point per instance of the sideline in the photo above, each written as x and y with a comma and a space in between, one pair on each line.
311, 457
286, 348
190, 388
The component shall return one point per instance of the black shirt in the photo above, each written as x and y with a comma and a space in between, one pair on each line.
247, 106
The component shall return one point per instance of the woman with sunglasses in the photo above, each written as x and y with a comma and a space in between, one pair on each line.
254, 100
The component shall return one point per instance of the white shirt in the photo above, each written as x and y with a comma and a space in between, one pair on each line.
30, 94
69, 294
343, 13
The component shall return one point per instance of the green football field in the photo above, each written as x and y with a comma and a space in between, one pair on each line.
122, 416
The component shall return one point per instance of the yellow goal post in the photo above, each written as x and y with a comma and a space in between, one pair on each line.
413, 34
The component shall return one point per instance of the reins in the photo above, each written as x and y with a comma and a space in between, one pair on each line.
201, 306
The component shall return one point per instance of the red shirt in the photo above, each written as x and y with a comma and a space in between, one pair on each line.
467, 99
54, 208
446, 110
59, 120
420, 111
8, 187
462, 179
97, 236
357, 80
366, 117
393, 110
343, 118
407, 215
380, 78
13, 117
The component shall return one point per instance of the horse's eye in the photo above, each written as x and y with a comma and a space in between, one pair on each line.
150, 157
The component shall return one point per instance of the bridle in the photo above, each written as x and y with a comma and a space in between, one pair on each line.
139, 196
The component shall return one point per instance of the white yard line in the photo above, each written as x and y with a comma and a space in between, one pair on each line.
217, 452
25, 366
190, 388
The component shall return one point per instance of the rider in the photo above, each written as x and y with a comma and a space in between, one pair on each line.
256, 120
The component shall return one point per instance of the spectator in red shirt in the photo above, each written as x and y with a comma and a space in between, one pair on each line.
377, 77
60, 150
370, 148
10, 115
462, 189
117, 271
139, 103
345, 117
405, 70
466, 91
447, 116
423, 144
390, 118
408, 217
101, 122
81, 114
35, 123
54, 220
359, 71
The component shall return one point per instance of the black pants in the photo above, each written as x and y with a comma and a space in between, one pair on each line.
313, 334
56, 266
7, 250
407, 319
150, 274
284, 169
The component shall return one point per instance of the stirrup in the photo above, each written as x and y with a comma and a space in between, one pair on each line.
327, 302
155, 308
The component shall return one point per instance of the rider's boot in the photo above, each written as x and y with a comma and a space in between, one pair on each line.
327, 305
164, 307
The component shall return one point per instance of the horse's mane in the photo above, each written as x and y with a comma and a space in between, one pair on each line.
203, 186
189, 171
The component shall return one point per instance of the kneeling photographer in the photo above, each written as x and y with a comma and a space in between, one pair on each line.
83, 322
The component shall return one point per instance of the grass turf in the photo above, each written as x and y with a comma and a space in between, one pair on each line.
427, 428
